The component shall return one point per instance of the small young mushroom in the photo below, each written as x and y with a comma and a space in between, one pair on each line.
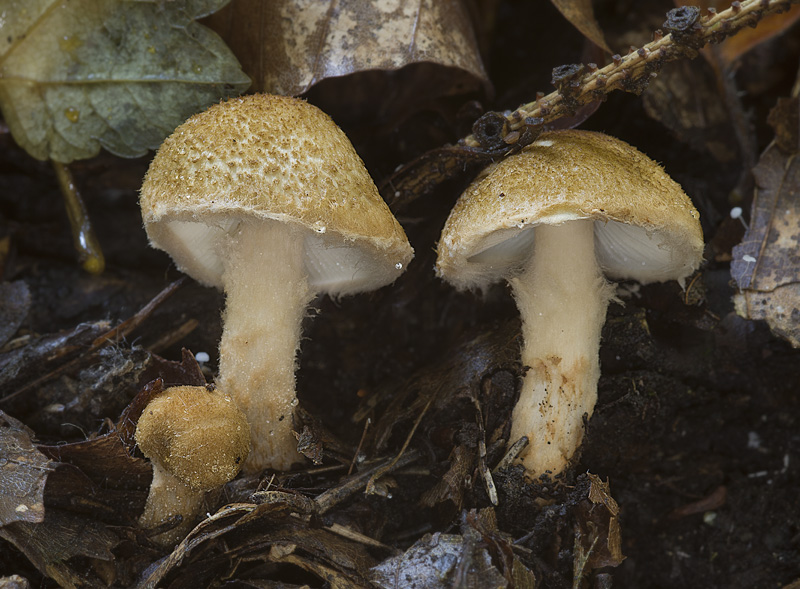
553, 220
197, 440
265, 197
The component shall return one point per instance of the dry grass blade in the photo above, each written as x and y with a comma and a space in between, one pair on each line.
332, 497
371, 489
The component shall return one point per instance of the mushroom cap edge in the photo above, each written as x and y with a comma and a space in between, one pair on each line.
271, 158
563, 176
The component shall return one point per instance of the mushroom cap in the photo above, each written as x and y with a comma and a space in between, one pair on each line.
646, 228
196, 434
273, 158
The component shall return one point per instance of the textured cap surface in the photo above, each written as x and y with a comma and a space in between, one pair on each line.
200, 436
647, 228
264, 157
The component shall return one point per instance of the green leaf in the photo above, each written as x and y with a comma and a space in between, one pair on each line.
78, 75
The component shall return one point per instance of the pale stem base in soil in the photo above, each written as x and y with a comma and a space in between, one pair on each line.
170, 497
562, 297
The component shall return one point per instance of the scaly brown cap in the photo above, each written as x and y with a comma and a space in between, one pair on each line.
198, 435
646, 227
274, 158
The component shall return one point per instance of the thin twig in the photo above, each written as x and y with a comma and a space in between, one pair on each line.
486, 474
370, 489
357, 453
112, 336
496, 135
580, 85
332, 497
126, 327
351, 534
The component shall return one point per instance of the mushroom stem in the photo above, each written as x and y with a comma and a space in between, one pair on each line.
562, 297
169, 497
267, 296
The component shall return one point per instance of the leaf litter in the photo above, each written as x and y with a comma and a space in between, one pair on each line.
567, 531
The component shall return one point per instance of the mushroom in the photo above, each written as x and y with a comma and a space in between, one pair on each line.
554, 220
264, 196
197, 440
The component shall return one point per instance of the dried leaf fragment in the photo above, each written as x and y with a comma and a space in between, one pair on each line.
598, 541
287, 46
581, 14
440, 561
61, 536
25, 471
80, 75
453, 483
784, 118
766, 265
68, 525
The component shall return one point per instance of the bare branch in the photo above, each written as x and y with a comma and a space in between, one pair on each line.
579, 85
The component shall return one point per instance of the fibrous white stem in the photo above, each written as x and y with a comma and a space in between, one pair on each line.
267, 296
562, 297
169, 497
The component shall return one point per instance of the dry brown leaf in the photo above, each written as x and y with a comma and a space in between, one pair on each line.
61, 536
25, 471
766, 265
237, 541
598, 541
581, 15
785, 120
736, 46
500, 546
452, 484
55, 501
289, 46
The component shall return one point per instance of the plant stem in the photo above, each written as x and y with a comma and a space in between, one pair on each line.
88, 247
633, 71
